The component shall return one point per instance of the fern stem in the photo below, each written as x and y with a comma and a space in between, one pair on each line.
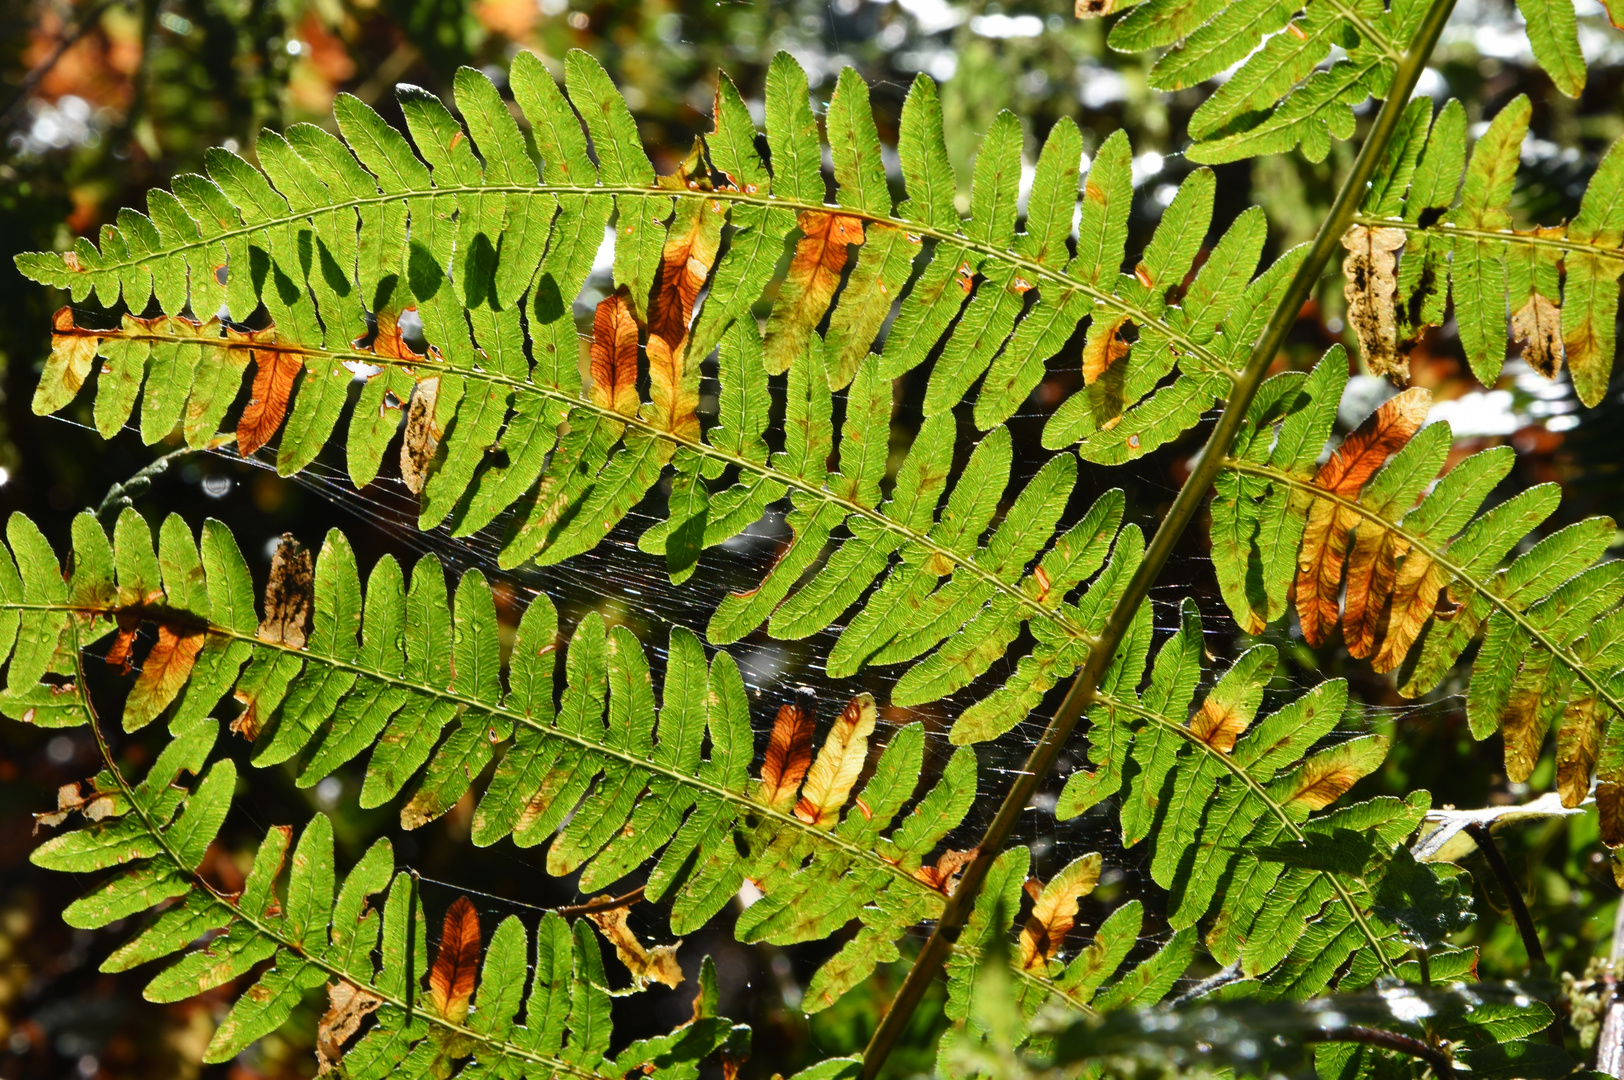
506, 1049
1440, 1062
1537, 964
124, 492
1084, 687
1504, 236
1597, 683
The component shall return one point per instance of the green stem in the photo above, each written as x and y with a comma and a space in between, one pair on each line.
125, 492
1083, 688
1538, 966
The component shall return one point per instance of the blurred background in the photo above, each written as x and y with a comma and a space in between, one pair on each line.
104, 100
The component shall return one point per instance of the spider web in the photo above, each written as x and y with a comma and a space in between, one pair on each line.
631, 588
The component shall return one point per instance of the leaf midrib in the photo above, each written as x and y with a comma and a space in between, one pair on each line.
1509, 236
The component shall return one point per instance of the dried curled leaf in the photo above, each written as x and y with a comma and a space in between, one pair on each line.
456, 964
1538, 324
422, 439
1054, 911
839, 764
289, 594
789, 754
949, 865
93, 804
1370, 286
614, 355
347, 1006
657, 964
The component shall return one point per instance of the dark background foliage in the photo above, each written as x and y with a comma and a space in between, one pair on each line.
103, 100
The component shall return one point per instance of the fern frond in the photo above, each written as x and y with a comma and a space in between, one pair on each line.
153, 835
1279, 95
421, 687
1423, 576
933, 570
1211, 787
499, 414
1557, 284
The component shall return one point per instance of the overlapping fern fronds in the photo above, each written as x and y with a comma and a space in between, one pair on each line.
1419, 243
495, 257
1216, 789
1281, 93
1374, 542
371, 954
330, 671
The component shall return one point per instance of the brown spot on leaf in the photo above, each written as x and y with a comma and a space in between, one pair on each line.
1104, 348
1538, 324
1093, 9
1219, 723
288, 595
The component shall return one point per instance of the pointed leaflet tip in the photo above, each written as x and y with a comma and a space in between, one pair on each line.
456, 965
839, 764
789, 754
614, 355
